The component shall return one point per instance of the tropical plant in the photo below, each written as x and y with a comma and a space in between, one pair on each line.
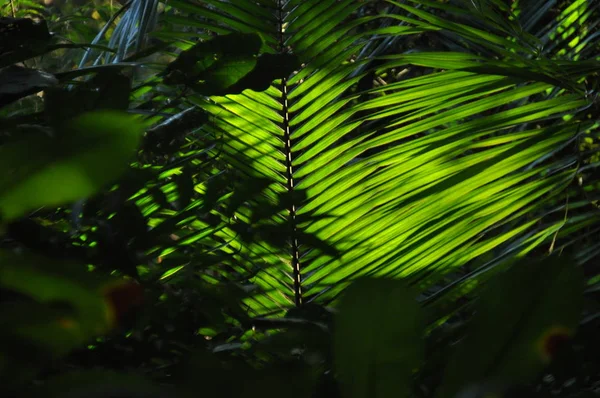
437, 162
409, 162
432, 141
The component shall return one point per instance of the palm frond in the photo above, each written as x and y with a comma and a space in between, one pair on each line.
453, 159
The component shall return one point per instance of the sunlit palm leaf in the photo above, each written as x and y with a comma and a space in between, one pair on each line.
414, 178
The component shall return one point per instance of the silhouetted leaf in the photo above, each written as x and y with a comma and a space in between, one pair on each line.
233, 53
229, 64
268, 68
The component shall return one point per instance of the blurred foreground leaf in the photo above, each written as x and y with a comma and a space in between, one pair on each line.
89, 152
521, 321
377, 339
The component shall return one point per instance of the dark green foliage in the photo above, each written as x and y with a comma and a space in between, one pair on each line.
512, 337
58, 307
304, 199
106, 90
68, 166
378, 339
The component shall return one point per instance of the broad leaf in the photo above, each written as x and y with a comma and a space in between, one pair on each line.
91, 303
378, 339
521, 320
87, 153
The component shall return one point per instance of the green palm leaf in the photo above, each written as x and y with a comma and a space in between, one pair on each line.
457, 159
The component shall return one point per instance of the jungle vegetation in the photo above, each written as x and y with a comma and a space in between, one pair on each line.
300, 198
